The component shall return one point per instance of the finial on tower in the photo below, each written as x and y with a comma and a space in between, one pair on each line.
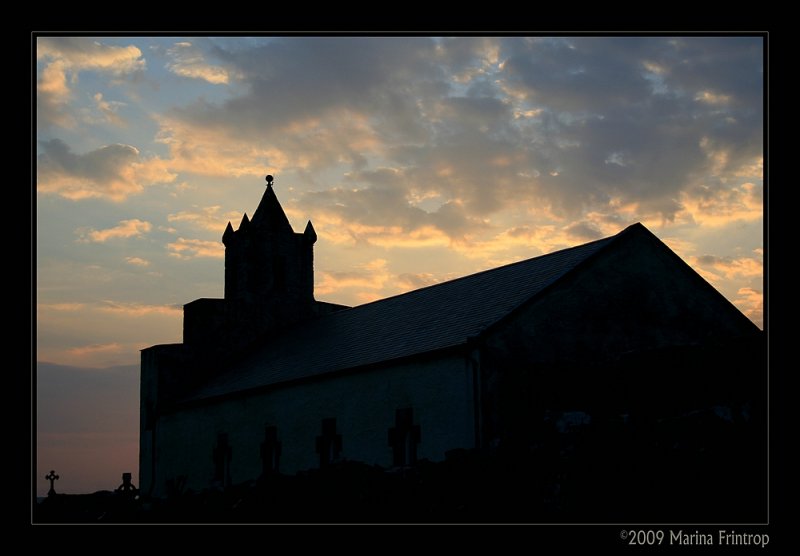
269, 180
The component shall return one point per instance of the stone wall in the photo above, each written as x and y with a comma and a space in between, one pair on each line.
363, 404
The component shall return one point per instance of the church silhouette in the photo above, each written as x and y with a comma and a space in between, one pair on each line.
601, 353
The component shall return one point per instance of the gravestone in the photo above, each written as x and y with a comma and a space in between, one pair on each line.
52, 477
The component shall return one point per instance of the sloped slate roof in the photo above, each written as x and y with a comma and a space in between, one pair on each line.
431, 318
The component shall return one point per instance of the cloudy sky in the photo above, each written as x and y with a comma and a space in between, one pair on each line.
418, 160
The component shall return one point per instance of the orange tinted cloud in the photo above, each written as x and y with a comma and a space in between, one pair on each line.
138, 309
62, 306
78, 54
751, 303
373, 275
116, 330
208, 218
92, 349
65, 59
412, 281
125, 229
184, 248
719, 207
106, 111
137, 261
714, 268
188, 61
209, 151
218, 149
112, 172
710, 97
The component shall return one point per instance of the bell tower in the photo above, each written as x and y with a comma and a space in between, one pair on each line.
269, 270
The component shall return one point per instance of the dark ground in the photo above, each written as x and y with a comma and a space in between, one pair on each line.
702, 467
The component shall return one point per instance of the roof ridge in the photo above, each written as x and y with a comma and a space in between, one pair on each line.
408, 324
496, 268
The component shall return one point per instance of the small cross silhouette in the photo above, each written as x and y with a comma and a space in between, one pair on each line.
127, 487
52, 477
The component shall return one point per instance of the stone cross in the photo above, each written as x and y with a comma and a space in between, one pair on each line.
127, 487
52, 477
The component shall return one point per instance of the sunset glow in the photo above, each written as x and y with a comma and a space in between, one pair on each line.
418, 159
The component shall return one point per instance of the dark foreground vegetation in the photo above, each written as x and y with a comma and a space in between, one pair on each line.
705, 466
